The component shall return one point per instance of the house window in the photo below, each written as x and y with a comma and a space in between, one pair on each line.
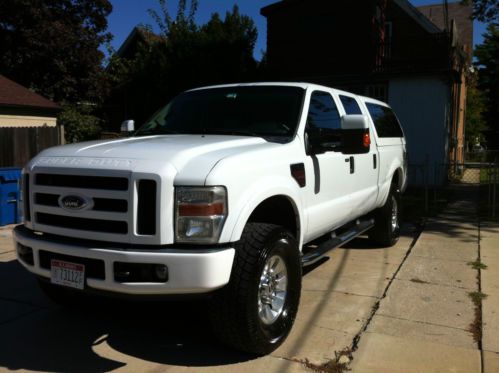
378, 91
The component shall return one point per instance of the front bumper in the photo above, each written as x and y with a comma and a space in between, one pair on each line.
189, 271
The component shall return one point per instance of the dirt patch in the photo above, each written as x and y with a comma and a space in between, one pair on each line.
477, 264
419, 281
475, 327
339, 364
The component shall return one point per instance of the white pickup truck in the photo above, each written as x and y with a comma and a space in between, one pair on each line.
227, 191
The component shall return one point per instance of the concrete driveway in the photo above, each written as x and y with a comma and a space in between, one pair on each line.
401, 309
338, 297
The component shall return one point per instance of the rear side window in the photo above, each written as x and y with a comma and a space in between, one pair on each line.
323, 113
385, 121
350, 104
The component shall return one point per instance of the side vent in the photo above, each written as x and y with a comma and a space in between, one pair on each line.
146, 207
26, 198
298, 173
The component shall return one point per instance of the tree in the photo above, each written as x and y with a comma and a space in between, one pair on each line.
484, 10
475, 107
52, 46
487, 61
185, 55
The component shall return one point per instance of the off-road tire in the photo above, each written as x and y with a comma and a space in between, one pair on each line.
234, 308
383, 233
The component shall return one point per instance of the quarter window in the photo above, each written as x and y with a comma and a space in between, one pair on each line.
385, 121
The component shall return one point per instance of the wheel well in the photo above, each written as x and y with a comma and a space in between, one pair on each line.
277, 210
396, 179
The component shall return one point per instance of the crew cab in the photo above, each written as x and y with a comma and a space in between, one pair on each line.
227, 191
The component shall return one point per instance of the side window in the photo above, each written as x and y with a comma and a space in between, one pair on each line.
350, 104
385, 121
323, 113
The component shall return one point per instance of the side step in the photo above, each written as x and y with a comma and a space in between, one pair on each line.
317, 253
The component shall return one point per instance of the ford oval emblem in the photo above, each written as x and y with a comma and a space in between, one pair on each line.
74, 202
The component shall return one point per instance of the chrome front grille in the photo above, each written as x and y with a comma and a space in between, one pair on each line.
105, 212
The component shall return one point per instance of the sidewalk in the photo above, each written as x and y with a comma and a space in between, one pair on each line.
428, 322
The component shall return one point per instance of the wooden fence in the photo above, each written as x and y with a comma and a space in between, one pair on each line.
19, 145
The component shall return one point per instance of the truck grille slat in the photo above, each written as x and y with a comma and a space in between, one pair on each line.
83, 182
146, 207
95, 225
100, 204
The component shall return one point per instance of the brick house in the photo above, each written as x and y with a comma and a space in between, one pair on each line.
415, 59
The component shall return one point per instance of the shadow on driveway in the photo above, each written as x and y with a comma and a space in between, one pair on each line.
51, 338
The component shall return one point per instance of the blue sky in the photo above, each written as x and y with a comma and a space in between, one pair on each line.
129, 13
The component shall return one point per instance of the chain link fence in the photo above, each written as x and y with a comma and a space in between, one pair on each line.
431, 185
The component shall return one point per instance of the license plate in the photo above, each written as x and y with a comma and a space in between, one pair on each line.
67, 274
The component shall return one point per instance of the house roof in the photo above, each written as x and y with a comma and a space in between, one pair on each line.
14, 94
419, 17
138, 33
461, 14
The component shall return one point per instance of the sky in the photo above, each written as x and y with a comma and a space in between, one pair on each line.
127, 14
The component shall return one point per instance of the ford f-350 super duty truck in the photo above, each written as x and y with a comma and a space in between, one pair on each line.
228, 191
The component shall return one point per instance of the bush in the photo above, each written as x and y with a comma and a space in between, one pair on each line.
79, 124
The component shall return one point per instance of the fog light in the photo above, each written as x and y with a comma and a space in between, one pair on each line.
25, 253
161, 272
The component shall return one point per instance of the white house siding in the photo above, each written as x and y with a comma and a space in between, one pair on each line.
26, 121
422, 106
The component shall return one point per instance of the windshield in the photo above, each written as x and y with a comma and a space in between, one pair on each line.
263, 111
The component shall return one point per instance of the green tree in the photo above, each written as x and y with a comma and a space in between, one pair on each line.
484, 10
79, 124
185, 55
475, 123
487, 61
52, 46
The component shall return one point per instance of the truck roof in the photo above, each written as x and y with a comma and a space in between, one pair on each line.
303, 85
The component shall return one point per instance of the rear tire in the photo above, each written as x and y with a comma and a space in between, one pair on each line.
386, 230
255, 312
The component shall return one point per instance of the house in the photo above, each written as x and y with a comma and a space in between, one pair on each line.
415, 59
121, 104
28, 124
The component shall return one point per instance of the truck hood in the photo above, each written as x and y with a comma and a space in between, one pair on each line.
192, 156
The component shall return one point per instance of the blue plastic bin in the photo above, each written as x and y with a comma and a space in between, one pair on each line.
10, 179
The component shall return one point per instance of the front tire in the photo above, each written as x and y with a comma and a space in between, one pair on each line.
386, 230
255, 312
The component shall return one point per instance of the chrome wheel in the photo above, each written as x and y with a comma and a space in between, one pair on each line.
272, 290
395, 217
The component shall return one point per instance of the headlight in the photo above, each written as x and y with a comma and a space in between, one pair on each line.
200, 213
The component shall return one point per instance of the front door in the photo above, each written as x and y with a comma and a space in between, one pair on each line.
327, 195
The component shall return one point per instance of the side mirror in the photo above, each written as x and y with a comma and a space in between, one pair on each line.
354, 122
356, 138
127, 126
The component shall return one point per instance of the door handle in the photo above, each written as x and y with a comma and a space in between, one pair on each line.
375, 161
352, 165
